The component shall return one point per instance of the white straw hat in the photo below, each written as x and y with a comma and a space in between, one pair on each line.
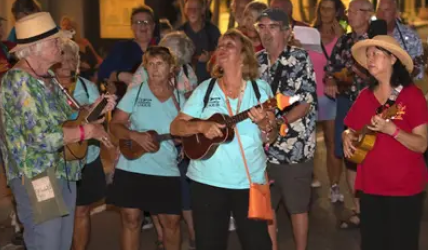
35, 28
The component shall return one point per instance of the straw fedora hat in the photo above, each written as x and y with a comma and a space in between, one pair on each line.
386, 42
34, 28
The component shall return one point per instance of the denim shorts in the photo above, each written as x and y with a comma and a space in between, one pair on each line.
326, 108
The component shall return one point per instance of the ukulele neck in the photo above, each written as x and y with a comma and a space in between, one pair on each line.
164, 137
238, 117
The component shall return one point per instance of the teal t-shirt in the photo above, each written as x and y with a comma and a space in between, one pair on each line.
87, 98
148, 113
226, 168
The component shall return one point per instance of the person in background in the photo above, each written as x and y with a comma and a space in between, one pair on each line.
289, 71
5, 46
89, 58
126, 56
287, 7
183, 49
393, 176
251, 13
329, 14
345, 88
165, 27
237, 8
220, 185
20, 9
409, 40
203, 33
92, 187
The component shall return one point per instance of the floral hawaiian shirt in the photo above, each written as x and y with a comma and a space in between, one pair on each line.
411, 42
297, 78
341, 57
32, 114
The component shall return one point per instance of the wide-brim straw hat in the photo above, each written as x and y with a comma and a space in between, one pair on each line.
386, 42
33, 29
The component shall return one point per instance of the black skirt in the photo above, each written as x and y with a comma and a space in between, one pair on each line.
150, 193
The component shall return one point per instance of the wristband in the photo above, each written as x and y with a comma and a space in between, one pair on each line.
284, 118
82, 133
395, 134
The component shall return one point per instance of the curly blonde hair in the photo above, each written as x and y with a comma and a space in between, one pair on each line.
250, 68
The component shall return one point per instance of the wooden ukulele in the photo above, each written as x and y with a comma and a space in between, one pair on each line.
344, 79
131, 150
366, 138
198, 147
78, 150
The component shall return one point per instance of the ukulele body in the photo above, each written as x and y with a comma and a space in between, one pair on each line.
365, 142
131, 150
77, 150
198, 147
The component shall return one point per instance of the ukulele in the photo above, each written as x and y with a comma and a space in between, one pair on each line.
131, 150
366, 138
344, 79
198, 147
78, 150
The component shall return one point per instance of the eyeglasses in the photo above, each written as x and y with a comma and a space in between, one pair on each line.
142, 22
353, 12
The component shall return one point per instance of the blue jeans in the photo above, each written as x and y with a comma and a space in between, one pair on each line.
55, 234
343, 105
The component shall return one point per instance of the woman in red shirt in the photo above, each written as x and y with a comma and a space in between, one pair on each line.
393, 175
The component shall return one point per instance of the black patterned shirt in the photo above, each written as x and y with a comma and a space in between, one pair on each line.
341, 57
297, 78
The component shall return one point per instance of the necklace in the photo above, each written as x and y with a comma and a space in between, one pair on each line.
230, 92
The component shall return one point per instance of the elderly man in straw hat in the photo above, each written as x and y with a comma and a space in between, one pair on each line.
393, 175
32, 137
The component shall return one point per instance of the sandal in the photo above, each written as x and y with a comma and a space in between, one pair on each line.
350, 223
159, 245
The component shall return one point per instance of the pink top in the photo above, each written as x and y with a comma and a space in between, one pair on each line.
319, 61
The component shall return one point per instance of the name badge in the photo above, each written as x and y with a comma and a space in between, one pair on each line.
43, 189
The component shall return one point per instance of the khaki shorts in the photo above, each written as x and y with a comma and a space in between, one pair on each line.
292, 185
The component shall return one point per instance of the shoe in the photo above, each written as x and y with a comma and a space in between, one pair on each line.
315, 183
232, 224
335, 194
147, 223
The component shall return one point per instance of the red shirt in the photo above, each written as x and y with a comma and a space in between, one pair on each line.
391, 169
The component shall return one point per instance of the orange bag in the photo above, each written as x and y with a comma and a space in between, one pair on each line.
260, 204
259, 207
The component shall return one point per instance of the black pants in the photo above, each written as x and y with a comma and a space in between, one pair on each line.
212, 207
390, 223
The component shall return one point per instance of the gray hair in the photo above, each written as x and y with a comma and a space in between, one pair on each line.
180, 45
70, 51
34, 49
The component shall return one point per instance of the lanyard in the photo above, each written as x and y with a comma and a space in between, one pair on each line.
241, 95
